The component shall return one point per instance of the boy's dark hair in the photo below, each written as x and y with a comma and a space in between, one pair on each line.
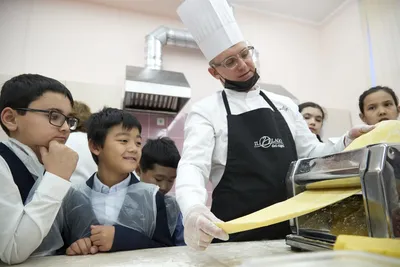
20, 91
161, 151
374, 90
82, 112
99, 124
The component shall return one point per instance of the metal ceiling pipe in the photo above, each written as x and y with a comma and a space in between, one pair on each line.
168, 36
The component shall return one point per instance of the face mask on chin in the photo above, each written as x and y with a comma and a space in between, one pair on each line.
242, 86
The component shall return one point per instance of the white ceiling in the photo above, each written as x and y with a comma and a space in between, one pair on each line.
314, 11
311, 11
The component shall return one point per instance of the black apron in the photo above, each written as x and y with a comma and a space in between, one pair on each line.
20, 173
260, 150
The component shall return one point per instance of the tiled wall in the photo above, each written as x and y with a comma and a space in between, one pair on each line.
154, 125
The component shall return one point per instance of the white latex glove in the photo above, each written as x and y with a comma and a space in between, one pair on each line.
199, 229
356, 132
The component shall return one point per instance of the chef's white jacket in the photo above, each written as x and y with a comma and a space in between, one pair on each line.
86, 165
205, 146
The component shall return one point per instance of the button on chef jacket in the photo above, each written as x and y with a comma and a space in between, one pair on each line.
206, 139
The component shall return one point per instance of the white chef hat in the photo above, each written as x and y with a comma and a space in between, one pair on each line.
212, 25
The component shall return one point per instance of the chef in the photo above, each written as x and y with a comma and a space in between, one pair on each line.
242, 138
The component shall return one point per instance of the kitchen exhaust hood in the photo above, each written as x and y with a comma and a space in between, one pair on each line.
150, 88
155, 90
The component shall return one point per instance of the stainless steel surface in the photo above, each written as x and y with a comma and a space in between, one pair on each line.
391, 185
156, 77
380, 185
148, 89
152, 89
165, 36
291, 191
341, 165
375, 212
307, 244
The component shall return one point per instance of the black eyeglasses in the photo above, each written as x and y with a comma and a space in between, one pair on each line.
232, 61
56, 118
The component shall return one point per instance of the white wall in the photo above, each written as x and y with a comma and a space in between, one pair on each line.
344, 61
384, 30
89, 46
89, 43
3, 78
289, 51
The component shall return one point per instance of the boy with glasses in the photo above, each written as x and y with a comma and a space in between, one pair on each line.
35, 165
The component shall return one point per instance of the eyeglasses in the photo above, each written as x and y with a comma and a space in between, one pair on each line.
232, 61
56, 118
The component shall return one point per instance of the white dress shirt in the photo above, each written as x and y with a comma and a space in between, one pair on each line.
206, 138
23, 228
86, 166
107, 201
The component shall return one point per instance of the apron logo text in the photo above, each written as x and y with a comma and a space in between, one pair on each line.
266, 142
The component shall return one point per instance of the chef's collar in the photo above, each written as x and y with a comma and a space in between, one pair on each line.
254, 92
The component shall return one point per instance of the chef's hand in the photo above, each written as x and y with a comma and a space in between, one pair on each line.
199, 228
356, 132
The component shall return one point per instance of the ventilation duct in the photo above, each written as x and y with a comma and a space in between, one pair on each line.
150, 88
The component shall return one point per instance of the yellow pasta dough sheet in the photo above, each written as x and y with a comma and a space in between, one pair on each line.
350, 182
319, 194
301, 204
384, 132
383, 246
